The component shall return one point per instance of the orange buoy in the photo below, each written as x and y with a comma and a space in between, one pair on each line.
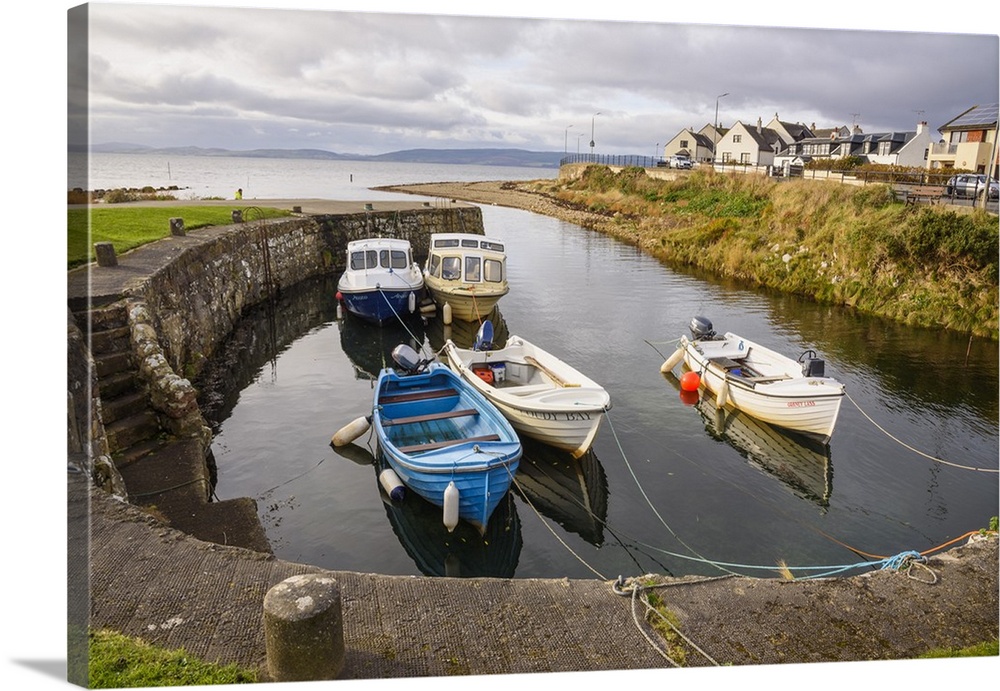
690, 381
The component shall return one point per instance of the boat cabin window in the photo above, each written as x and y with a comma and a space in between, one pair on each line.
451, 268
358, 260
434, 268
492, 246
371, 259
449, 242
472, 269
493, 270
393, 259
470, 243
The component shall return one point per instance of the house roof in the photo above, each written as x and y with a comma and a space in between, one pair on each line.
976, 118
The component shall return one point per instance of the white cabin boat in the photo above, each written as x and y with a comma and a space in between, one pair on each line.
787, 393
542, 396
381, 280
466, 274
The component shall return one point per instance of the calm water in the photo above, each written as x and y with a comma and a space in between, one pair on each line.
670, 487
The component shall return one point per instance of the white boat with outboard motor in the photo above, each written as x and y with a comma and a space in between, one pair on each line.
787, 393
542, 396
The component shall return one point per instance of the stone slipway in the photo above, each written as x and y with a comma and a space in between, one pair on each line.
146, 579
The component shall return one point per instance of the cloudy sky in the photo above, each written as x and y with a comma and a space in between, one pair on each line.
384, 79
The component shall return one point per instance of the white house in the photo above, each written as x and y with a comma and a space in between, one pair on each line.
752, 146
695, 145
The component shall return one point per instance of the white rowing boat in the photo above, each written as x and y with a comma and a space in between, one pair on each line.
787, 393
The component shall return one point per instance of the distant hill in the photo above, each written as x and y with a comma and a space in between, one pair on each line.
483, 157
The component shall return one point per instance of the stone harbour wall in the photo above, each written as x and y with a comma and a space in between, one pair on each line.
195, 301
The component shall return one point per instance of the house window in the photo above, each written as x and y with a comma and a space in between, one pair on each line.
726, 157
684, 143
884, 148
737, 138
745, 158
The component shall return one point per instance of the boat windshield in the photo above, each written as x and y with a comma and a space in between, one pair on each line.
493, 270
472, 269
393, 259
451, 268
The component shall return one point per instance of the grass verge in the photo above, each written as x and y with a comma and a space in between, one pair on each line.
118, 661
128, 227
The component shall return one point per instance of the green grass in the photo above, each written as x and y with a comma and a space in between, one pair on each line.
987, 649
130, 227
117, 661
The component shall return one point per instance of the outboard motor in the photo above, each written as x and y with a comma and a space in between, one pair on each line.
407, 358
701, 329
812, 366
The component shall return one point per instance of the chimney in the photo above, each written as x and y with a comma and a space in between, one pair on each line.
759, 124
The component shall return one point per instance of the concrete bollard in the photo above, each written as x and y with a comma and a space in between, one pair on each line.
296, 209
304, 629
177, 227
237, 215
105, 253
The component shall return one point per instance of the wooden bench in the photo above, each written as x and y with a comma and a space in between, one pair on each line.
417, 395
430, 416
549, 373
430, 446
915, 194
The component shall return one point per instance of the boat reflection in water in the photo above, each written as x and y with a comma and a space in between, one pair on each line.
801, 463
463, 333
369, 346
462, 553
571, 492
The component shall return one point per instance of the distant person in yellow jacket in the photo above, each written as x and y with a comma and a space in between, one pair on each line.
239, 193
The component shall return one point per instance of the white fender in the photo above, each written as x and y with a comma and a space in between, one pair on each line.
451, 498
723, 395
672, 361
412, 302
351, 431
392, 485
446, 313
340, 311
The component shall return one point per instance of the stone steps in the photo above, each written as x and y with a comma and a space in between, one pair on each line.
131, 425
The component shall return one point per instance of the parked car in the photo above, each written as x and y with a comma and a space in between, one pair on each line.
971, 186
681, 162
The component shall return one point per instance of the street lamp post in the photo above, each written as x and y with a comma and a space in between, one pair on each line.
566, 141
578, 138
592, 118
715, 133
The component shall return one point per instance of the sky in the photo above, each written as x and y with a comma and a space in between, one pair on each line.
370, 82
374, 84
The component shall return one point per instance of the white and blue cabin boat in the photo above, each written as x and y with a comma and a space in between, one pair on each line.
443, 439
381, 280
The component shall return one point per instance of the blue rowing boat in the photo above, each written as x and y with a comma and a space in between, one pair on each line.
443, 439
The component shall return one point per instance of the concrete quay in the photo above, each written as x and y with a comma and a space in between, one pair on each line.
140, 576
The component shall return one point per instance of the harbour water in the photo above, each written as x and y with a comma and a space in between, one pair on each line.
672, 486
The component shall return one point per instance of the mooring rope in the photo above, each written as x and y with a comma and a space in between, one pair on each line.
917, 451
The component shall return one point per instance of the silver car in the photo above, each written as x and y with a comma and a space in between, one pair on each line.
970, 186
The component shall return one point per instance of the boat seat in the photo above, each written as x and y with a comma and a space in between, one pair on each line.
724, 362
430, 446
417, 395
430, 416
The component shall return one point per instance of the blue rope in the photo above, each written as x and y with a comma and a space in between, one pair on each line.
902, 559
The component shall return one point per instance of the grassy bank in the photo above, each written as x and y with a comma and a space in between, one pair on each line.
838, 244
128, 227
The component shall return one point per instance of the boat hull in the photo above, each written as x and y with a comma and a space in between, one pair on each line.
548, 401
470, 304
809, 405
434, 430
379, 305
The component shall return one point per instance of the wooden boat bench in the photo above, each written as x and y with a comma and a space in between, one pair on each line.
449, 442
430, 416
417, 396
